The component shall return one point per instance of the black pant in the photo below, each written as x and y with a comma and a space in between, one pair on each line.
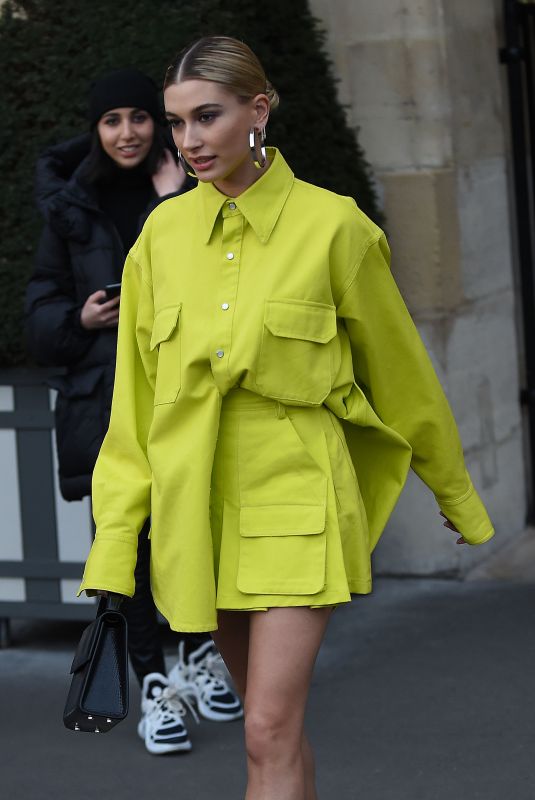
144, 640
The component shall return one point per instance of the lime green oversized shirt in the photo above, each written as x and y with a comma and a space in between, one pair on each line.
285, 291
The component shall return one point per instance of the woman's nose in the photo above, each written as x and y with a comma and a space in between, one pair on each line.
190, 140
126, 129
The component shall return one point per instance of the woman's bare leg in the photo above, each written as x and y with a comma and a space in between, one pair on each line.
310, 769
232, 641
283, 645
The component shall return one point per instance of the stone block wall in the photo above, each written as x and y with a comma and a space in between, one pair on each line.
421, 82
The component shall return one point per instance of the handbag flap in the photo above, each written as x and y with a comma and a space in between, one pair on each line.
89, 638
86, 646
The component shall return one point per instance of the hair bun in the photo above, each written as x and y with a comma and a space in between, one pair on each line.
272, 95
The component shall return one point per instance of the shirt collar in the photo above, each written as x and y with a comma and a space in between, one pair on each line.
261, 204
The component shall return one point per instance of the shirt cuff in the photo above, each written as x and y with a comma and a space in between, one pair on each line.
469, 516
110, 566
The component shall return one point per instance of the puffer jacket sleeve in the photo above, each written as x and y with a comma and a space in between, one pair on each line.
122, 477
392, 367
54, 335
54, 167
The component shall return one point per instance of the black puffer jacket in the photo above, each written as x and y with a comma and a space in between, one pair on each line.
80, 251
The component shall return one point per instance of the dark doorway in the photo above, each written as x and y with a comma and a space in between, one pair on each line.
518, 55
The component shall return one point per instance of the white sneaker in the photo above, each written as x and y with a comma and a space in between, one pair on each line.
202, 679
161, 724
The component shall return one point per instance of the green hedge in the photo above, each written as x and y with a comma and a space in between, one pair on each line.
51, 50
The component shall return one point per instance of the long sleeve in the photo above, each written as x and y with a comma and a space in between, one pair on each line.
54, 335
53, 169
122, 476
393, 369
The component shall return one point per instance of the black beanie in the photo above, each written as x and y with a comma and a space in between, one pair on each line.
124, 88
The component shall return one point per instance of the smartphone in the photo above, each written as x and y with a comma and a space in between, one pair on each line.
112, 290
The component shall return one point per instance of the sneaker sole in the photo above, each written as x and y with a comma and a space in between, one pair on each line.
216, 716
161, 749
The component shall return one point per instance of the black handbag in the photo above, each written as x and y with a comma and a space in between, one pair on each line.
98, 695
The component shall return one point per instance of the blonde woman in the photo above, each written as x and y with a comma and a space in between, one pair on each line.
271, 394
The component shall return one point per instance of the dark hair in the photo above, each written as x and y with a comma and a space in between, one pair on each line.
223, 60
100, 166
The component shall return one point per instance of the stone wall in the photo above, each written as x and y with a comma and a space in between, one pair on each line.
421, 81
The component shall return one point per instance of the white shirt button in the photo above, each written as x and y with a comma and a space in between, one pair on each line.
220, 353
232, 206
230, 256
224, 306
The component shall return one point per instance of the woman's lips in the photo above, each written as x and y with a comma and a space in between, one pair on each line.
130, 151
202, 163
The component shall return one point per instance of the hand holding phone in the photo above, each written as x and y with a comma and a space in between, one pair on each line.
112, 290
99, 312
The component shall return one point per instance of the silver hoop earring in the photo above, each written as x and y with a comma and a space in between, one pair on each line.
184, 164
262, 161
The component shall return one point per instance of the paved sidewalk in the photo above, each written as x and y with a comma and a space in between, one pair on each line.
423, 691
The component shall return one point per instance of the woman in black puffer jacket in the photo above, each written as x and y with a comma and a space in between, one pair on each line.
95, 192
94, 201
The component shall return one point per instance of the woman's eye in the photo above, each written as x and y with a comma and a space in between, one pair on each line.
208, 117
110, 121
139, 118
174, 123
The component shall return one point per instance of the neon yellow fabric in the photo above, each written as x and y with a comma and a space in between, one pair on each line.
313, 544
285, 291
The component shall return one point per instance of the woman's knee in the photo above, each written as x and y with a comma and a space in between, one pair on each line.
272, 735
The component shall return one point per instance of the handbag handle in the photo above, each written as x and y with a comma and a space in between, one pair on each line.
109, 602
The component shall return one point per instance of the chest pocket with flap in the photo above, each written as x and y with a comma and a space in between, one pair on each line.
166, 337
296, 356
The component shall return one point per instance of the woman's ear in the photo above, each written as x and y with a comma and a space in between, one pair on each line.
261, 108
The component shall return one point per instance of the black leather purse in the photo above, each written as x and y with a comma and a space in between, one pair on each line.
98, 696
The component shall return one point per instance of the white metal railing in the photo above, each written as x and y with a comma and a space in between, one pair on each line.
43, 539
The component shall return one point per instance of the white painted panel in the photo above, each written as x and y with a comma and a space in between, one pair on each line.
74, 532
11, 527
7, 398
68, 592
52, 394
12, 589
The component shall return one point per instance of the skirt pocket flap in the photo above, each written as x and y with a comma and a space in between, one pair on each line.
282, 520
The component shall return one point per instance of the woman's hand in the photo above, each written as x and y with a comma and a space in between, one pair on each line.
98, 314
452, 527
169, 177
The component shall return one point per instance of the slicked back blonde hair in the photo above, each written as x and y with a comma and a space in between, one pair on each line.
226, 61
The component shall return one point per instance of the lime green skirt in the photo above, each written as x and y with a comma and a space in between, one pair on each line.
288, 522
